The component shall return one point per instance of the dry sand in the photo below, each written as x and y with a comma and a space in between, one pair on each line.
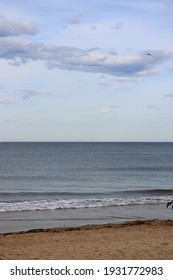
135, 240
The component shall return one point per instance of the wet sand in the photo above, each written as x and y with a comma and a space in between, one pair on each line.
152, 239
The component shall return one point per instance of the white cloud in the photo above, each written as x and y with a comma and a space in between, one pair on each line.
109, 109
15, 28
105, 84
76, 19
118, 25
4, 101
104, 110
28, 93
150, 107
93, 60
170, 95
73, 21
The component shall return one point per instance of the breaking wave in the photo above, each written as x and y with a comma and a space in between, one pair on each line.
40, 205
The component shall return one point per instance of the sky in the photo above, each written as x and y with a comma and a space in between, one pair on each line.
94, 70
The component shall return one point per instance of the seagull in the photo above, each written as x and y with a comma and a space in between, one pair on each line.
169, 203
149, 54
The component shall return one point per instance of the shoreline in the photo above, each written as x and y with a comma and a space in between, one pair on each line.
167, 222
139, 239
27, 220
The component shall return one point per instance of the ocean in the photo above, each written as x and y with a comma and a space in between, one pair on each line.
61, 184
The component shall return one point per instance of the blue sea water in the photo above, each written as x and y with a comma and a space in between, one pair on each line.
55, 184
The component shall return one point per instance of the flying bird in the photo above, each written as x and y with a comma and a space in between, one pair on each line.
149, 54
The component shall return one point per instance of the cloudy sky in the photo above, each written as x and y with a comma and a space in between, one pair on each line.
76, 70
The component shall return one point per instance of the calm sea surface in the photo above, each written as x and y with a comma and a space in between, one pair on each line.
60, 184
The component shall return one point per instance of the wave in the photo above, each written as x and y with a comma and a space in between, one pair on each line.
152, 191
76, 193
40, 205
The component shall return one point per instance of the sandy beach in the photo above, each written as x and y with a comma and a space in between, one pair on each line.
135, 240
